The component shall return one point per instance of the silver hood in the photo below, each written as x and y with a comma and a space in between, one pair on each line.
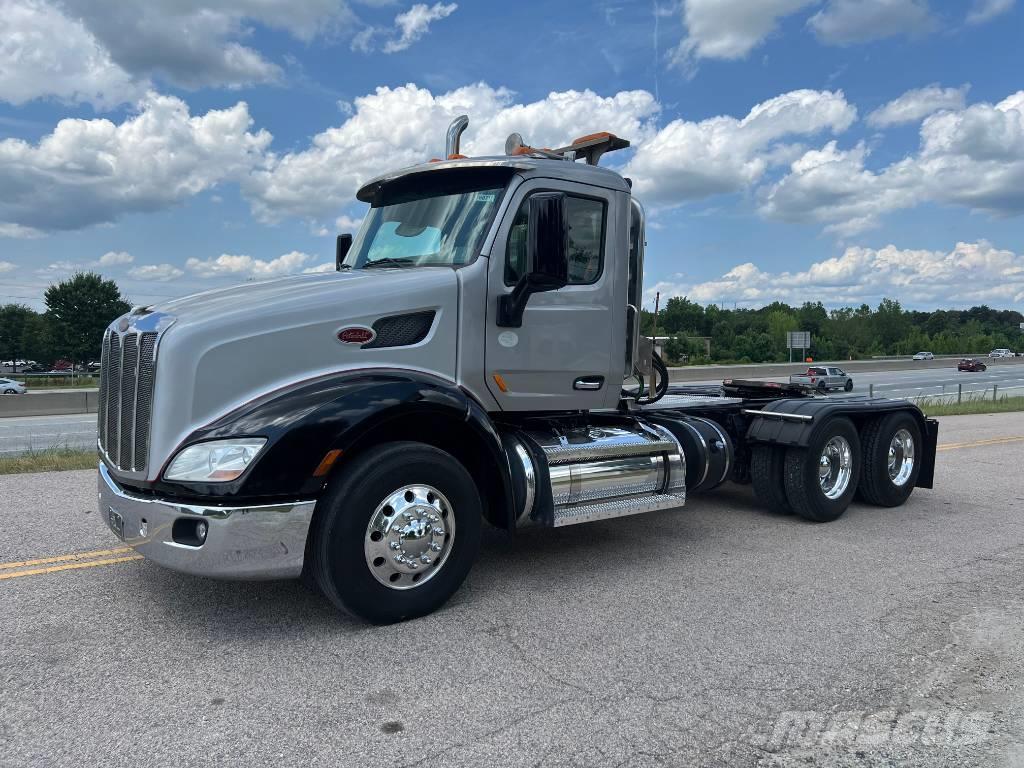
231, 345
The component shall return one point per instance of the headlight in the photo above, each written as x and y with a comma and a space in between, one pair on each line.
217, 461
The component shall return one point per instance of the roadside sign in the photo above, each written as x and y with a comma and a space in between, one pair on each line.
798, 339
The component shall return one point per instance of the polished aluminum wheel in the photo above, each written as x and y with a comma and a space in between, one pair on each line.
901, 457
409, 537
835, 467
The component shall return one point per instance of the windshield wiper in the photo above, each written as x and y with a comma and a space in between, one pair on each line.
390, 261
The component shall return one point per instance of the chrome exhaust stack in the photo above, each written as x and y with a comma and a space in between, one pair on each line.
455, 129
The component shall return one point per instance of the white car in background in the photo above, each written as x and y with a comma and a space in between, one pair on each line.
11, 387
924, 356
1000, 353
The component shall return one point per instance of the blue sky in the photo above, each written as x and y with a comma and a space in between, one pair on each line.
840, 150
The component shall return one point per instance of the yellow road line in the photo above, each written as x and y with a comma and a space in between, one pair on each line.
68, 567
65, 558
976, 443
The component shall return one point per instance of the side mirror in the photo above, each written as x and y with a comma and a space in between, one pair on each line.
341, 250
547, 257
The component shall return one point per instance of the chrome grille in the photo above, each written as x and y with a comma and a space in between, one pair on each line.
127, 374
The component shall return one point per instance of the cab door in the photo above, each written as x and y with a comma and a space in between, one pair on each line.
569, 352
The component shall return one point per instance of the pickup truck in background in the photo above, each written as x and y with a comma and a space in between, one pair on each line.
824, 378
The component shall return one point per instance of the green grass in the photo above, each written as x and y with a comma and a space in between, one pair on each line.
49, 460
1002, 405
56, 382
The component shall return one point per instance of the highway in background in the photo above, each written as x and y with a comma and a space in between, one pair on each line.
24, 433
927, 382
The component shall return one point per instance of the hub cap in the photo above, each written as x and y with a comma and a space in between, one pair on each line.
835, 467
901, 457
409, 537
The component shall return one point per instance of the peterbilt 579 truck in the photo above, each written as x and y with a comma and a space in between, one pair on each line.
476, 357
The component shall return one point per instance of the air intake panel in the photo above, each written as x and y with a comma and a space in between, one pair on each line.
401, 330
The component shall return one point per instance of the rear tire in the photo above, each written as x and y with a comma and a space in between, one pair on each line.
886, 478
767, 464
10, 391
822, 478
822, 389
355, 564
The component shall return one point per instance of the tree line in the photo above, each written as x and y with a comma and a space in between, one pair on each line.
78, 311
759, 335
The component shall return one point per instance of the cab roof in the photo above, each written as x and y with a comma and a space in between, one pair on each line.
524, 165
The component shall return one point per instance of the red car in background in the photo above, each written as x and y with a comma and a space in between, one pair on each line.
970, 364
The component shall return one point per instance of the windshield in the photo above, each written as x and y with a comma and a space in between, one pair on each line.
436, 230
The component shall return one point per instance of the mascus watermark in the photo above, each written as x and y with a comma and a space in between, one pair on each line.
883, 728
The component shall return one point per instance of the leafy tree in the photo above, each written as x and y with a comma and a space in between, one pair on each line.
80, 309
14, 319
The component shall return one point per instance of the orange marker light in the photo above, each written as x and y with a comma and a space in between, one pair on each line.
327, 462
500, 382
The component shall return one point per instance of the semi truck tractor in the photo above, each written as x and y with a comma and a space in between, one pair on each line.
476, 358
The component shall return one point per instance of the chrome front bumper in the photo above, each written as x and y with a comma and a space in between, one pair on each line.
258, 542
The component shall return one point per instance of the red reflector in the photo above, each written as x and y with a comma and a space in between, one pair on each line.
357, 335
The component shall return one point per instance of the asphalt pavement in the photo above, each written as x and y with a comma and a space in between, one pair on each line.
33, 433
715, 635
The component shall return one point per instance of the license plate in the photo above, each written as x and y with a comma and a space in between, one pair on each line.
116, 522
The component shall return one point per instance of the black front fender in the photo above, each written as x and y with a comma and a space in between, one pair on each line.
304, 422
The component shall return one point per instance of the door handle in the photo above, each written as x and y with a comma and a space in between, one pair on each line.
588, 382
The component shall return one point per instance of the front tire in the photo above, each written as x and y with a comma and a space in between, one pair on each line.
892, 459
849, 385
822, 478
396, 532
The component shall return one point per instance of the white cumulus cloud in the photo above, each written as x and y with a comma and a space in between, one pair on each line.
917, 104
843, 22
113, 258
969, 274
402, 126
415, 23
157, 272
972, 157
985, 10
242, 265
6, 266
93, 171
692, 160
731, 29
43, 52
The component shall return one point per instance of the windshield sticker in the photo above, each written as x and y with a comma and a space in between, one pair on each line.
485, 197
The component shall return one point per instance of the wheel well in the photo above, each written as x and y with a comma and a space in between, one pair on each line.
447, 433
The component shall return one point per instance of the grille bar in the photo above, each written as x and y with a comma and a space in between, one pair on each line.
127, 376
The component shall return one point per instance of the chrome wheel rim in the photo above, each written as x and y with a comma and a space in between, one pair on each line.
901, 457
409, 537
835, 467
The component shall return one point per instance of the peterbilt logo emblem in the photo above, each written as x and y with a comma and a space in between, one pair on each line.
358, 334
122, 324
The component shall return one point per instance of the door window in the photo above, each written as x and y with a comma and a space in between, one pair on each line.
586, 218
